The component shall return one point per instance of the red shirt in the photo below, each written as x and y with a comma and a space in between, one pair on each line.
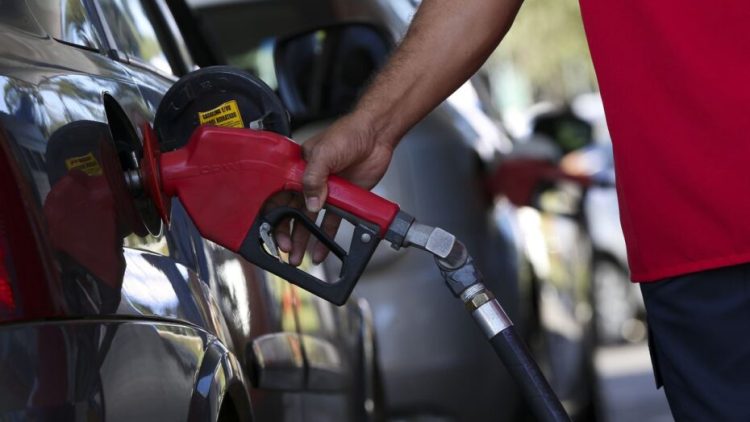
675, 80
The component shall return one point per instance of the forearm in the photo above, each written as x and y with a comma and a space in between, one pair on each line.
447, 43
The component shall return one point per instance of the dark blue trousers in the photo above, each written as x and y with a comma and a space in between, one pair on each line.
699, 336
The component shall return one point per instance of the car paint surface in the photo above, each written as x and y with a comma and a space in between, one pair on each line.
126, 325
118, 309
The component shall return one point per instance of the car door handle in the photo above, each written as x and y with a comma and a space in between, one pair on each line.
277, 362
325, 368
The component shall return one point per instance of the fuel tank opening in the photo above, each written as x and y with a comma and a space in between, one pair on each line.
130, 152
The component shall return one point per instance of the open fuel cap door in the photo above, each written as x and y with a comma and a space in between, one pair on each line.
218, 96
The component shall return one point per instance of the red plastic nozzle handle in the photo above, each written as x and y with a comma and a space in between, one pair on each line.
224, 176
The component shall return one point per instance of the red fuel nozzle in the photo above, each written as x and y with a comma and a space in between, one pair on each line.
223, 177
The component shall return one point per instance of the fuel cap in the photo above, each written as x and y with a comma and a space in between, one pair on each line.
219, 96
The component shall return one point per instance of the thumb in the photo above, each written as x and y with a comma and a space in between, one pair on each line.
315, 183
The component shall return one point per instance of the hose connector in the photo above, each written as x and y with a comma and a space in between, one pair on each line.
485, 310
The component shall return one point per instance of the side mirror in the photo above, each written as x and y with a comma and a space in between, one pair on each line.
322, 72
566, 130
527, 181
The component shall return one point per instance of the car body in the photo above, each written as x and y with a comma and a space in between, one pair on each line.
105, 314
433, 362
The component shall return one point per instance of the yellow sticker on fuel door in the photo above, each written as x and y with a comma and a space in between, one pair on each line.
85, 163
226, 115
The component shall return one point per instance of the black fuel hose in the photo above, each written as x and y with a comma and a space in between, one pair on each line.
465, 281
535, 388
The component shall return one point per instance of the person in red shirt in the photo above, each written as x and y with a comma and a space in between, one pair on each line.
673, 78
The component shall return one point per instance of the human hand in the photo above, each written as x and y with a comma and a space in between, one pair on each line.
349, 148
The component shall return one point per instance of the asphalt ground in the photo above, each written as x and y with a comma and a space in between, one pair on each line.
628, 391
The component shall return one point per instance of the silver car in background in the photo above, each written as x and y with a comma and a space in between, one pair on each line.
432, 361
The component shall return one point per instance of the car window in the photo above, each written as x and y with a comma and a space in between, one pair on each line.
134, 32
66, 21
322, 72
259, 61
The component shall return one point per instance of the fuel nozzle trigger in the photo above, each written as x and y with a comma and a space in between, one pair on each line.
268, 241
257, 249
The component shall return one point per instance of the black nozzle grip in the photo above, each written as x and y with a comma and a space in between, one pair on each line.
365, 240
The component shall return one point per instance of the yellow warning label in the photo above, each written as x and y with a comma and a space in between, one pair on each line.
85, 163
226, 115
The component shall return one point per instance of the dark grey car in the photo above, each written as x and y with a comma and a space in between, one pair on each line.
104, 313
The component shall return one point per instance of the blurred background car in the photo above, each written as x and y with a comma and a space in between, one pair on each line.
620, 312
104, 313
575, 138
433, 363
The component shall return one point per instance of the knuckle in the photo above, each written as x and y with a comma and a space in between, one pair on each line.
312, 180
308, 149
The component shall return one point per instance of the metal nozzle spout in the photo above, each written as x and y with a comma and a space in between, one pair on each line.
432, 239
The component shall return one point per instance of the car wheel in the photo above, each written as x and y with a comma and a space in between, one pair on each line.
578, 390
369, 398
617, 304
228, 413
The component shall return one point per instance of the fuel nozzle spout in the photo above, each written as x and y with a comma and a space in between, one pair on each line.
148, 176
144, 181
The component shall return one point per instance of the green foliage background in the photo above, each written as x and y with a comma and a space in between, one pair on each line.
547, 44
